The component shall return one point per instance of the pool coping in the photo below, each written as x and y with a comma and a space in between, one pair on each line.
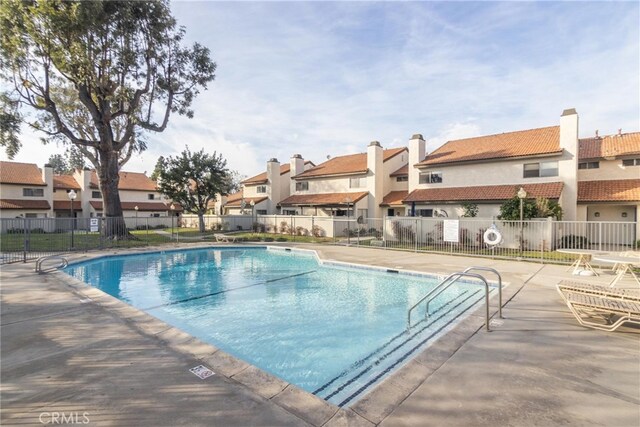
370, 409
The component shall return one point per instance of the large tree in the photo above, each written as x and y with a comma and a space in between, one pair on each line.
99, 75
194, 180
59, 164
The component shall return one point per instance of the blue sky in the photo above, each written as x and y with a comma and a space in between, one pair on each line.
326, 78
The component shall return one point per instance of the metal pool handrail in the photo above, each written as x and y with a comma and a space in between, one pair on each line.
443, 285
39, 261
493, 270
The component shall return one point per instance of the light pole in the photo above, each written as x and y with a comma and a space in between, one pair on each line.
172, 208
72, 196
136, 209
522, 194
348, 200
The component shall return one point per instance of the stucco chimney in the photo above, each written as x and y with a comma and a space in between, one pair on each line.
296, 165
568, 164
273, 185
375, 178
83, 177
416, 155
47, 177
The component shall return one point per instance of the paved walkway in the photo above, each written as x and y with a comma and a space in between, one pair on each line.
61, 353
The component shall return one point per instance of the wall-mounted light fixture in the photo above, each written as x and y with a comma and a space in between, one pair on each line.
597, 214
624, 214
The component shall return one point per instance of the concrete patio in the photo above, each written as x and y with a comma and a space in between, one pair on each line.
65, 352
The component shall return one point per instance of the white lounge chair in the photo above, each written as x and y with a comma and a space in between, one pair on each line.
224, 238
585, 307
571, 286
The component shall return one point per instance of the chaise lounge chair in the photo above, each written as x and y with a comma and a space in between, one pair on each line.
571, 286
224, 238
585, 307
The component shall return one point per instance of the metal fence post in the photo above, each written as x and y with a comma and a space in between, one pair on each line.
416, 236
24, 243
600, 236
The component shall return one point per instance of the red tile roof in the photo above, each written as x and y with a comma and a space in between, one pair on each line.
550, 190
500, 146
65, 182
235, 196
609, 146
63, 205
20, 173
394, 198
142, 206
349, 164
135, 181
403, 171
616, 190
24, 204
262, 177
247, 201
326, 199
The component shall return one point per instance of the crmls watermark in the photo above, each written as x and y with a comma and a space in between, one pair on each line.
64, 418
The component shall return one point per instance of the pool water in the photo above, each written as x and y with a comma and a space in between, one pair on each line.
332, 330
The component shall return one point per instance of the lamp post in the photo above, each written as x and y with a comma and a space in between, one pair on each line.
72, 196
348, 200
172, 208
136, 209
522, 194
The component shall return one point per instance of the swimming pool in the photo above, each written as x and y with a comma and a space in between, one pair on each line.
330, 329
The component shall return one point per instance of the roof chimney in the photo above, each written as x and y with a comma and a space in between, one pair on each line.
620, 132
597, 136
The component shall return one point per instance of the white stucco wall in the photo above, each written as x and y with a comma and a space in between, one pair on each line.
609, 169
493, 173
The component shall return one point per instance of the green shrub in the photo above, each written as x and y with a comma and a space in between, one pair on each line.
281, 239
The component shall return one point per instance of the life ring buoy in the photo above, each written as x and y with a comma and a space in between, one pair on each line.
492, 236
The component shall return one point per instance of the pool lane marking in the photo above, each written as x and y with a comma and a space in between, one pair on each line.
361, 362
387, 354
227, 290
403, 358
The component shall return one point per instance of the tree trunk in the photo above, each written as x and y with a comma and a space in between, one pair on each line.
108, 177
201, 221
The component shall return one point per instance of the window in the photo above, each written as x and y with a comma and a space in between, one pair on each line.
425, 212
356, 182
261, 212
96, 195
535, 170
302, 186
155, 215
261, 189
151, 196
549, 169
431, 178
32, 192
30, 215
589, 165
402, 178
286, 212
631, 162
99, 215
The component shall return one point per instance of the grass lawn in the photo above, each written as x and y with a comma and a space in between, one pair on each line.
82, 240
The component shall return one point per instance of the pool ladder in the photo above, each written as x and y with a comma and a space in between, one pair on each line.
453, 278
41, 260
